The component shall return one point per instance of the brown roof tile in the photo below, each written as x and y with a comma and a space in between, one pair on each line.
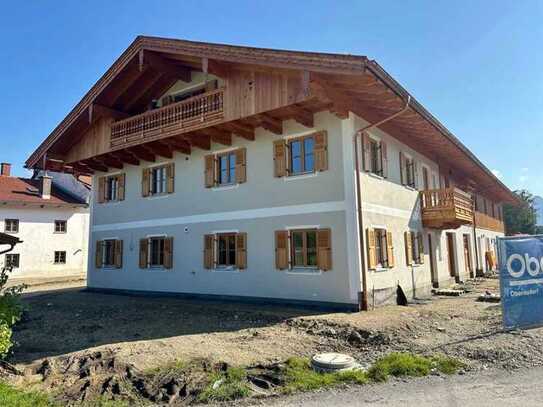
24, 190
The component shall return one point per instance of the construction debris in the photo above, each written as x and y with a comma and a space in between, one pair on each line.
448, 292
489, 297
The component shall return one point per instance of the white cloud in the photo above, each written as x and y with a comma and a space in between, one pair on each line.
497, 174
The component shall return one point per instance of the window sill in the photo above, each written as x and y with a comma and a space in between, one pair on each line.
111, 202
305, 271
301, 176
417, 264
381, 269
157, 269
159, 196
374, 175
409, 187
226, 270
225, 187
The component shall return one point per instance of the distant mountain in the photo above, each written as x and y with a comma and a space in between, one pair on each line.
538, 205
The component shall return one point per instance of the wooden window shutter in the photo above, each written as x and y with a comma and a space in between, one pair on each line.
209, 251
101, 189
420, 242
408, 248
390, 250
366, 150
324, 249
241, 165
118, 254
99, 254
170, 177
145, 181
122, 181
144, 247
415, 173
384, 159
209, 171
321, 151
241, 251
168, 252
403, 175
372, 255
279, 158
281, 249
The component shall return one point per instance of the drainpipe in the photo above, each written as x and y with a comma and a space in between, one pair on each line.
360, 132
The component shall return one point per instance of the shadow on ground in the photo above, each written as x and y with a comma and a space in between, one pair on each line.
63, 321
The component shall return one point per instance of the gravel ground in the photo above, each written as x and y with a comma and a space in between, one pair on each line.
148, 332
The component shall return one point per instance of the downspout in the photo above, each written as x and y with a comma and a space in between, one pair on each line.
360, 132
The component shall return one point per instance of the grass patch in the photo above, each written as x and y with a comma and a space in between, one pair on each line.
408, 364
173, 368
299, 376
12, 397
225, 386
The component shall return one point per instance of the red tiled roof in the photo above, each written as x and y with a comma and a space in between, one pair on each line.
25, 190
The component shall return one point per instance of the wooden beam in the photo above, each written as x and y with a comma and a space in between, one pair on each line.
182, 146
239, 129
81, 169
95, 165
160, 149
142, 153
141, 89
162, 85
218, 136
110, 161
200, 140
214, 67
120, 85
270, 123
167, 66
125, 157
302, 116
96, 111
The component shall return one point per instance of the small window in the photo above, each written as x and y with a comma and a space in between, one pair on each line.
304, 248
410, 172
112, 189
226, 249
158, 180
227, 168
417, 248
108, 253
60, 257
376, 157
381, 254
156, 251
11, 225
60, 226
302, 155
12, 260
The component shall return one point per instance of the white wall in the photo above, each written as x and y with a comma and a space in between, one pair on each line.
37, 231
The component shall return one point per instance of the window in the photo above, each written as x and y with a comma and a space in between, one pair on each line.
60, 226
304, 248
375, 156
408, 171
301, 155
111, 188
225, 251
158, 180
60, 257
414, 248
11, 225
380, 248
226, 168
156, 252
109, 253
376, 159
12, 260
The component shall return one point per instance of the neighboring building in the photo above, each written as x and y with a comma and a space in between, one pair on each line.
50, 218
232, 172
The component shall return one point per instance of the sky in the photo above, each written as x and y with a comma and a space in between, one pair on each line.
476, 65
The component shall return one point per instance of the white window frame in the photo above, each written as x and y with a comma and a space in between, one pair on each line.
300, 270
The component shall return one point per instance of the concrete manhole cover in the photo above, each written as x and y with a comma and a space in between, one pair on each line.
329, 362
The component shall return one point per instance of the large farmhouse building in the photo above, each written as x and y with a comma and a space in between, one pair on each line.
296, 177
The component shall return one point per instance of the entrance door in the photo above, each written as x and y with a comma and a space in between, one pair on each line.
451, 254
433, 274
467, 256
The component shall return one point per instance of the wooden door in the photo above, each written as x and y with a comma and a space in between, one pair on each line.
450, 253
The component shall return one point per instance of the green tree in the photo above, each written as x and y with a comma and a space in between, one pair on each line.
520, 218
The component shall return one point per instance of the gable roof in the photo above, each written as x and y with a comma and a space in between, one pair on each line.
15, 190
322, 63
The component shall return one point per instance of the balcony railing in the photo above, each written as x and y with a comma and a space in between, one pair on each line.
190, 114
484, 221
446, 208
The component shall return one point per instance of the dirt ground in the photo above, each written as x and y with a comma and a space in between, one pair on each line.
147, 332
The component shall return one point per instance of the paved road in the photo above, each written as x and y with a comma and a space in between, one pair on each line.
491, 388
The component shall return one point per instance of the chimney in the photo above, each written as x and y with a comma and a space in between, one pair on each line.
5, 169
45, 186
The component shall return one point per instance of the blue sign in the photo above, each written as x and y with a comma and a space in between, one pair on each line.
521, 281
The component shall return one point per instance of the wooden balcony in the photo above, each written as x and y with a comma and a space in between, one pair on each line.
484, 221
191, 114
446, 208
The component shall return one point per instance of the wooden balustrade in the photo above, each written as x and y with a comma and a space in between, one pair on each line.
484, 221
446, 208
187, 115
